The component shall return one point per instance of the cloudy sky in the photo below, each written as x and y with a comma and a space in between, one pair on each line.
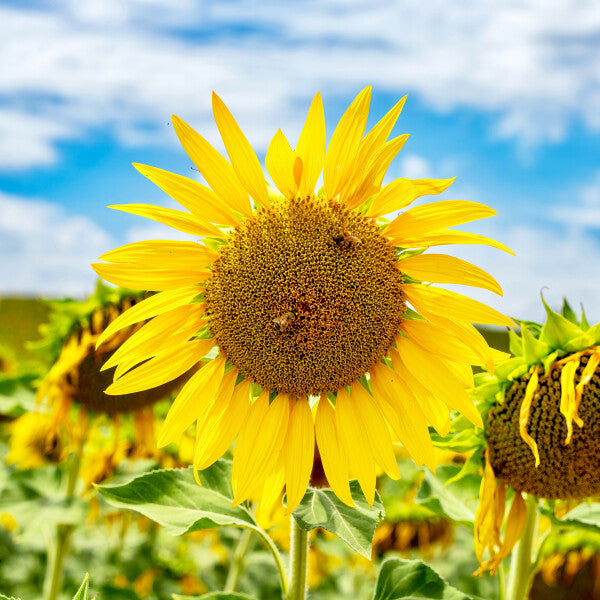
505, 95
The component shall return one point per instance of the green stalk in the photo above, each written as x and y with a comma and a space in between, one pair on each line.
298, 562
521, 565
272, 548
57, 554
237, 560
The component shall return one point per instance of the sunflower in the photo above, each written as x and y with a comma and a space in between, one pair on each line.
298, 304
79, 373
542, 431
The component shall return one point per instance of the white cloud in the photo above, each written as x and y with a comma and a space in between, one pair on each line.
584, 213
45, 250
413, 166
564, 262
123, 67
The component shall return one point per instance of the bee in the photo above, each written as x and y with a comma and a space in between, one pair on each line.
346, 237
282, 322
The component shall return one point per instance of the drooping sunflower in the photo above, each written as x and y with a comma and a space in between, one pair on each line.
542, 433
298, 303
79, 373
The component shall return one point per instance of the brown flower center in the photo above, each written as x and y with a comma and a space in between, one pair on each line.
305, 297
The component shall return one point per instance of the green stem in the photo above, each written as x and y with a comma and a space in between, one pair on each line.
57, 554
521, 571
501, 582
272, 548
237, 560
298, 562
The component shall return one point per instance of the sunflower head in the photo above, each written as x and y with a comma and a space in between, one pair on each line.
308, 307
543, 437
81, 372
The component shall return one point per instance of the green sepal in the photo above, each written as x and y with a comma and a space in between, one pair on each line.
534, 350
549, 360
584, 322
213, 243
412, 315
568, 313
510, 368
203, 334
82, 593
409, 253
470, 467
558, 331
515, 343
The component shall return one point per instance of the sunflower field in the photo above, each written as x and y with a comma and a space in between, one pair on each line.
286, 405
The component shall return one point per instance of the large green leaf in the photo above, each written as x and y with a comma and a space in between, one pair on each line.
457, 501
411, 579
174, 499
354, 525
82, 593
36, 500
585, 516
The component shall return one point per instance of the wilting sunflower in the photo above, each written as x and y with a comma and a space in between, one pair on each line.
542, 429
80, 371
298, 303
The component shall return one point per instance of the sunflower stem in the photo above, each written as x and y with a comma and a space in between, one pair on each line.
58, 552
298, 562
521, 565
237, 560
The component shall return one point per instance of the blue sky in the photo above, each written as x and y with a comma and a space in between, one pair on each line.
503, 95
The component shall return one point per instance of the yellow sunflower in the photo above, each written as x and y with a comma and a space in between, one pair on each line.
298, 302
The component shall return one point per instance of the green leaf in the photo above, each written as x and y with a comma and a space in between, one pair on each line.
355, 526
216, 596
82, 593
456, 502
412, 579
585, 516
3, 597
172, 498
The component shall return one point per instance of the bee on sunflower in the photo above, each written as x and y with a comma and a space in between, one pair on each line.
297, 302
542, 431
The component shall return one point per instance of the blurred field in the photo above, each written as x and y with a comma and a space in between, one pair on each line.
20, 319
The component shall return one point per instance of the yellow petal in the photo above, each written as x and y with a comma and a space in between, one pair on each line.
298, 452
402, 192
311, 146
345, 142
375, 430
351, 435
430, 301
221, 425
444, 237
370, 181
437, 340
165, 366
586, 376
191, 402
378, 134
168, 253
332, 455
267, 513
177, 219
192, 195
436, 377
441, 268
433, 409
168, 329
403, 414
148, 308
242, 156
215, 168
280, 162
524, 415
138, 278
426, 218
568, 406
260, 439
